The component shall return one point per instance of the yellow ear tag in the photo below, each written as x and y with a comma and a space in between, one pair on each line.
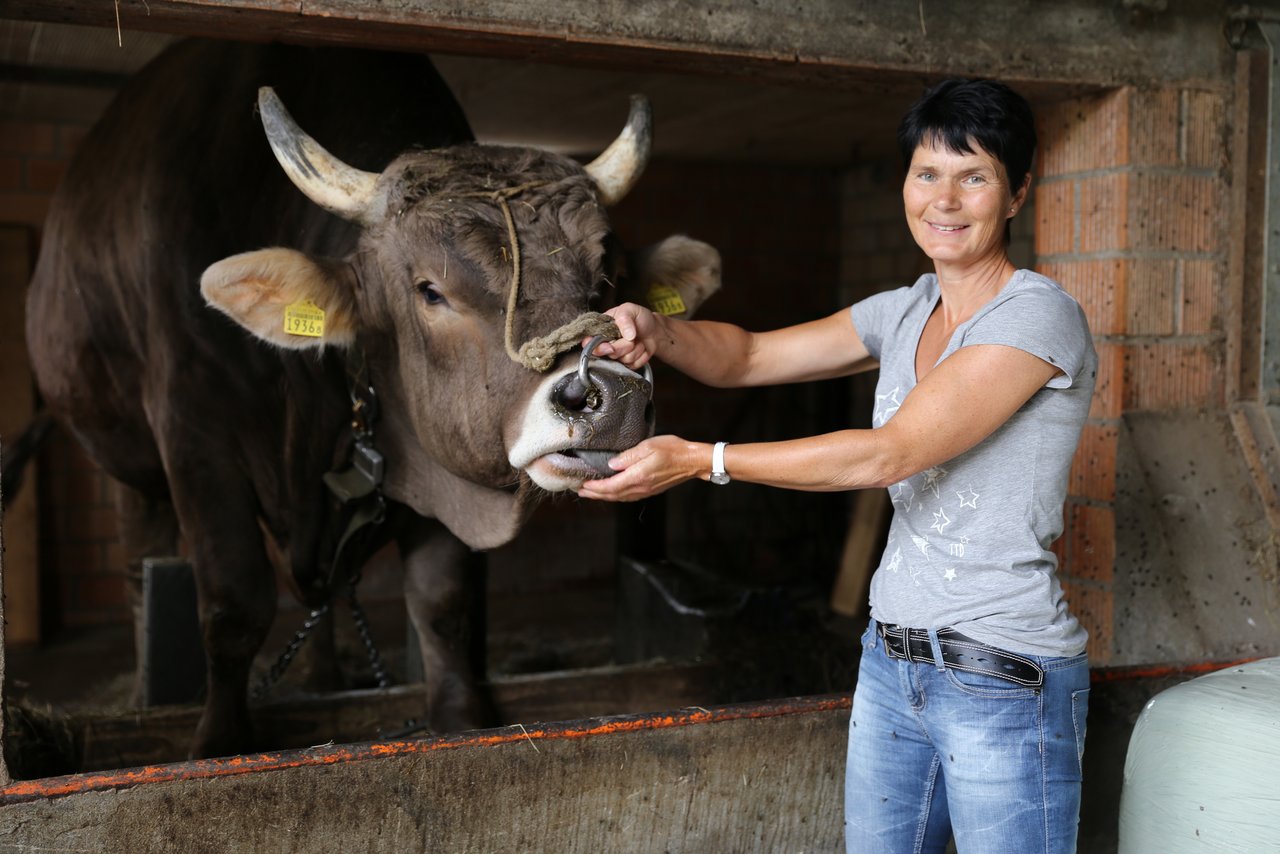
665, 299
304, 318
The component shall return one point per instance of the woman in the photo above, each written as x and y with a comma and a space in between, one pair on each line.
968, 717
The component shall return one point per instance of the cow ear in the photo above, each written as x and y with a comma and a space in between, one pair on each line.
673, 277
284, 297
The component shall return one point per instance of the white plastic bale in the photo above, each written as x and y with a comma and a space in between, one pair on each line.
1203, 768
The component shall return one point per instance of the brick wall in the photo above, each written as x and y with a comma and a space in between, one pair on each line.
81, 574
82, 562
33, 156
1130, 189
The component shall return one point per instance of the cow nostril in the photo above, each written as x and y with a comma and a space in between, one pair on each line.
573, 395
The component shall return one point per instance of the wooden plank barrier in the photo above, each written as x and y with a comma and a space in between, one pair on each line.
754, 777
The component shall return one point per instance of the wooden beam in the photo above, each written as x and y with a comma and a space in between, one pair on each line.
834, 43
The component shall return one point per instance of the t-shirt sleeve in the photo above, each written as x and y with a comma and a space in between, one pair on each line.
873, 316
1046, 323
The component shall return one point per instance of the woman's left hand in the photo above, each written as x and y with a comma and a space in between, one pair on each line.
653, 466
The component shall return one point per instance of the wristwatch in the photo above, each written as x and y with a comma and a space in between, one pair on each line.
718, 475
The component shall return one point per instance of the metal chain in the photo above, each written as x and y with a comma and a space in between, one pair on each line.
376, 664
290, 651
366, 635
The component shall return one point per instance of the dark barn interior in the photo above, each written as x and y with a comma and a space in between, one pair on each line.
775, 145
775, 213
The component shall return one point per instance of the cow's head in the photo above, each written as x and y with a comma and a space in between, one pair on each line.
467, 429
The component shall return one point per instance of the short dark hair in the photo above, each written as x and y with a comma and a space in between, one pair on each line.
959, 112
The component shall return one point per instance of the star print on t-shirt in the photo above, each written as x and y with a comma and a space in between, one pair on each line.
933, 480
940, 521
887, 404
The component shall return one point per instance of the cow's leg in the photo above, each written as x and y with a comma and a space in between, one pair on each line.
148, 528
441, 592
237, 604
235, 584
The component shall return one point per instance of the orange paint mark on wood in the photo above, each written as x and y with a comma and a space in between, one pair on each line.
206, 769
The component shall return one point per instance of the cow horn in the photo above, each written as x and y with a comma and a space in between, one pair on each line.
326, 180
618, 167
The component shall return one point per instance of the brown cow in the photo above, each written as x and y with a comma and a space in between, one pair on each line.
218, 422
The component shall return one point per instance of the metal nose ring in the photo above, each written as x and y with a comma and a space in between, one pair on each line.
584, 375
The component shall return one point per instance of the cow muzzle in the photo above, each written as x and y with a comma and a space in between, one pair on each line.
578, 420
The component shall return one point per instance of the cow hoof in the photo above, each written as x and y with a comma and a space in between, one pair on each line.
221, 738
473, 712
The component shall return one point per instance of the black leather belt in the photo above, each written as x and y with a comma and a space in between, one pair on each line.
961, 653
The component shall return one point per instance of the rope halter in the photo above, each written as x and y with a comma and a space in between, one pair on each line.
539, 354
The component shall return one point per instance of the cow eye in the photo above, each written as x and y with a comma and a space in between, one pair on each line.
431, 293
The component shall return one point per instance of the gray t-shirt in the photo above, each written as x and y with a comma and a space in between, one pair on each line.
969, 541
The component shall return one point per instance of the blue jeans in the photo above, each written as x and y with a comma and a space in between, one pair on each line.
936, 751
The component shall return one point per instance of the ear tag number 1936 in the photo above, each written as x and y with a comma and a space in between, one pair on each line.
304, 318
665, 299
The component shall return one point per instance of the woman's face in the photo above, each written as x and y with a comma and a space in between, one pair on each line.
957, 204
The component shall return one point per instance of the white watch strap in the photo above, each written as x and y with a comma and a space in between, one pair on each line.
717, 458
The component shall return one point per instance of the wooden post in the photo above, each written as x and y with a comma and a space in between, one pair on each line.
21, 581
861, 551
4, 770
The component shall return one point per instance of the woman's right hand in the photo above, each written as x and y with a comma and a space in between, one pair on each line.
639, 329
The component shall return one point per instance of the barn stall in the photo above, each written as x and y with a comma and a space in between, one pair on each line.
774, 144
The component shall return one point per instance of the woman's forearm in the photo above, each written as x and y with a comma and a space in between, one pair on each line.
832, 462
715, 354
727, 356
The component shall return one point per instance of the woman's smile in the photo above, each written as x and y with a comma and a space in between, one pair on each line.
957, 205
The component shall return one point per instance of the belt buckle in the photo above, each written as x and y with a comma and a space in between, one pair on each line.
906, 643
896, 635
889, 635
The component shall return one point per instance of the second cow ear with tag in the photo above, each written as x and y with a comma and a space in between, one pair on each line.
673, 277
